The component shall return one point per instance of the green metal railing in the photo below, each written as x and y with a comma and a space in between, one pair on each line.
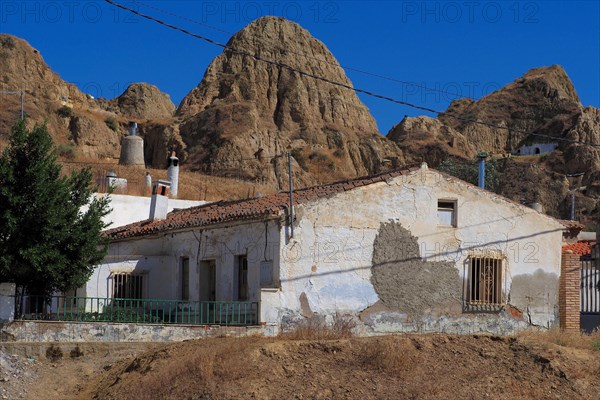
149, 311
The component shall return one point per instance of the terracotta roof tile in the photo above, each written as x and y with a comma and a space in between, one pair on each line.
581, 248
572, 225
255, 208
240, 210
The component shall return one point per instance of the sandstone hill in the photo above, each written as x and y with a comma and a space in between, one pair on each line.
245, 109
245, 114
542, 101
91, 129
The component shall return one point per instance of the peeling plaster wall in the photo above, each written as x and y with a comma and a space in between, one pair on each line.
329, 261
406, 282
160, 260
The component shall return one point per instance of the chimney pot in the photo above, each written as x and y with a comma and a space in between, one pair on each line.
159, 202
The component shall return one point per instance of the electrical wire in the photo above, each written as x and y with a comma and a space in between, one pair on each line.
276, 45
340, 84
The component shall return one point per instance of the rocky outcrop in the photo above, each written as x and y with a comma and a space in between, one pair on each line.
431, 137
93, 128
144, 101
244, 107
543, 102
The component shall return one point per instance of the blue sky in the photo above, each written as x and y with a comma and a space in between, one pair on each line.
467, 48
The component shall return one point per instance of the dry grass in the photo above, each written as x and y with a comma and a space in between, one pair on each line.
316, 328
192, 185
402, 366
207, 366
567, 339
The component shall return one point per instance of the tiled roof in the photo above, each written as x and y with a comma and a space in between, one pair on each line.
572, 225
248, 209
581, 248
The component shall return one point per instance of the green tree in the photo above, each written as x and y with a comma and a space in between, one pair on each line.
47, 242
468, 171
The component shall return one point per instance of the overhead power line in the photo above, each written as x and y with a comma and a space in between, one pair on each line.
340, 84
277, 46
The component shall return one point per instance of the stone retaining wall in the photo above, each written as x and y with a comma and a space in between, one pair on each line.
41, 331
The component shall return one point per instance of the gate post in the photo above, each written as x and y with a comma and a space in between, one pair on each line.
569, 292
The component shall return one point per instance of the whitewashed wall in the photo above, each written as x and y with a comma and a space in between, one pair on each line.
327, 266
329, 259
127, 209
160, 259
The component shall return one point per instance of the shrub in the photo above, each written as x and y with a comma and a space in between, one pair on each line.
66, 151
112, 124
317, 156
299, 157
339, 153
54, 353
65, 112
316, 328
76, 352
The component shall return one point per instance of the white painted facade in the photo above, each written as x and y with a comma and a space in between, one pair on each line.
326, 268
536, 149
127, 209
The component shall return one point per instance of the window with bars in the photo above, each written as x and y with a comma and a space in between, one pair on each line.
486, 280
127, 285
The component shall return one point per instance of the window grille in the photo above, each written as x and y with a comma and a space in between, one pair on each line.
127, 285
486, 280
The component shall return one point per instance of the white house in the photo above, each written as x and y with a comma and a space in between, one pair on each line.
126, 209
405, 251
536, 149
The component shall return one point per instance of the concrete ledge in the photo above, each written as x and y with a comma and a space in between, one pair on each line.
38, 349
52, 331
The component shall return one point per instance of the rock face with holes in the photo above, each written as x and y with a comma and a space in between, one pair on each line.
142, 101
243, 105
92, 128
543, 101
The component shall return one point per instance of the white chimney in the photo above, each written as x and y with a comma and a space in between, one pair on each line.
173, 174
159, 202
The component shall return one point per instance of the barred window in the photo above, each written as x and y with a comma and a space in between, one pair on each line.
127, 285
486, 280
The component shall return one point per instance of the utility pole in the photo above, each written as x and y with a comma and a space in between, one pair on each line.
291, 195
573, 193
22, 93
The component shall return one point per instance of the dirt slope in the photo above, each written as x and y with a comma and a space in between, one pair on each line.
393, 367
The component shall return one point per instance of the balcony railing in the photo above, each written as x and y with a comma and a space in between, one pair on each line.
143, 311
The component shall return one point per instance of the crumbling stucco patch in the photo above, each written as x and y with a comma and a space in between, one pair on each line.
536, 296
406, 283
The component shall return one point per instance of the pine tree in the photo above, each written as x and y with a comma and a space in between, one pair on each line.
47, 242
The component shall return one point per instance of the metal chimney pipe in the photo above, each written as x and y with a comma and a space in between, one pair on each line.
133, 128
482, 156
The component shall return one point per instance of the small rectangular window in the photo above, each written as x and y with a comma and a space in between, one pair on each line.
486, 277
185, 278
446, 212
266, 274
